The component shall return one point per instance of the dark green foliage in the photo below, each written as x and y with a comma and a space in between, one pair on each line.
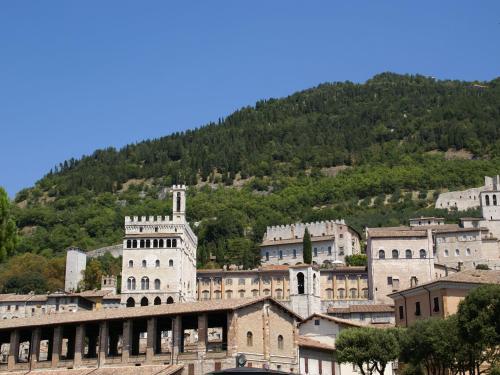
24, 284
482, 267
8, 230
356, 260
307, 247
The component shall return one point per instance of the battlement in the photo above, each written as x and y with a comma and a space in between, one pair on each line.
147, 220
178, 187
77, 249
296, 230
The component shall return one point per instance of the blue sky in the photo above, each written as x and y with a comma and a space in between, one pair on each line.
77, 76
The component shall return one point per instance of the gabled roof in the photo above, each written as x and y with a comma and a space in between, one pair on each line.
345, 322
361, 309
140, 312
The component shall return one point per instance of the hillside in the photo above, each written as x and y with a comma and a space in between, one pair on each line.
332, 151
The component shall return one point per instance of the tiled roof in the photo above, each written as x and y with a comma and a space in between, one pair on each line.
307, 342
383, 232
361, 309
462, 277
23, 297
92, 293
333, 319
151, 235
122, 370
139, 312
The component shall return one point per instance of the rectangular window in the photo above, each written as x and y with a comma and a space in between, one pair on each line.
306, 366
329, 250
316, 322
436, 304
389, 280
315, 251
341, 235
417, 308
191, 369
241, 281
341, 250
395, 284
401, 313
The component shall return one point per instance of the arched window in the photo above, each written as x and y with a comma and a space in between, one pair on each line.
134, 244
144, 263
255, 293
446, 253
487, 198
157, 263
169, 243
281, 254
170, 300
381, 254
205, 295
144, 301
145, 283
314, 284
408, 254
229, 294
155, 243
457, 252
160, 243
131, 283
157, 284
249, 338
148, 243
365, 293
217, 294
423, 254
157, 301
329, 293
267, 292
174, 243
341, 293
279, 294
130, 302
353, 293
280, 342
467, 252
130, 263
170, 263
141, 244
300, 283
395, 254
129, 244
494, 200
241, 292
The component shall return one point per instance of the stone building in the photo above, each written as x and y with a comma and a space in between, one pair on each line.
331, 242
467, 199
376, 315
76, 261
306, 294
201, 337
159, 257
438, 298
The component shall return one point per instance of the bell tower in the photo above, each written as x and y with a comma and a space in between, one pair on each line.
179, 203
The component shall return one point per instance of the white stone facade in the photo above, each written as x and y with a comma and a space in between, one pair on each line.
305, 290
159, 257
76, 262
331, 242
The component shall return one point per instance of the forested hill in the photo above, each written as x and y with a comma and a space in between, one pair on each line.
278, 162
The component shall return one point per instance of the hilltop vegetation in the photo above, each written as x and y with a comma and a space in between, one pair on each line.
264, 165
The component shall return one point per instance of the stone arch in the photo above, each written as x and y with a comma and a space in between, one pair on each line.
300, 283
170, 300
144, 301
130, 302
157, 301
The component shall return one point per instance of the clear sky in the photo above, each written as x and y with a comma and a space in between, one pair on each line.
80, 75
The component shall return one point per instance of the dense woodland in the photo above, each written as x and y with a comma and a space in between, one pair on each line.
274, 163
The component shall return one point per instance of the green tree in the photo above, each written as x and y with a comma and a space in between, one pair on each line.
307, 247
92, 275
479, 326
356, 260
371, 349
8, 230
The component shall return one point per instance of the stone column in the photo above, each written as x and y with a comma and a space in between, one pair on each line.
232, 338
199, 288
57, 343
334, 285
127, 336
222, 287
260, 286
202, 335
79, 337
285, 297
35, 346
346, 286
211, 288
151, 340
176, 337
103, 342
266, 331
13, 349
272, 286
359, 286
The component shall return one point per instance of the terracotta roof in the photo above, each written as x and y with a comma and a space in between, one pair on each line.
270, 242
307, 342
333, 319
139, 312
458, 229
361, 309
382, 232
23, 297
92, 293
123, 370
462, 277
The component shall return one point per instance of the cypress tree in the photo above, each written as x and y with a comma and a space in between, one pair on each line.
307, 247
